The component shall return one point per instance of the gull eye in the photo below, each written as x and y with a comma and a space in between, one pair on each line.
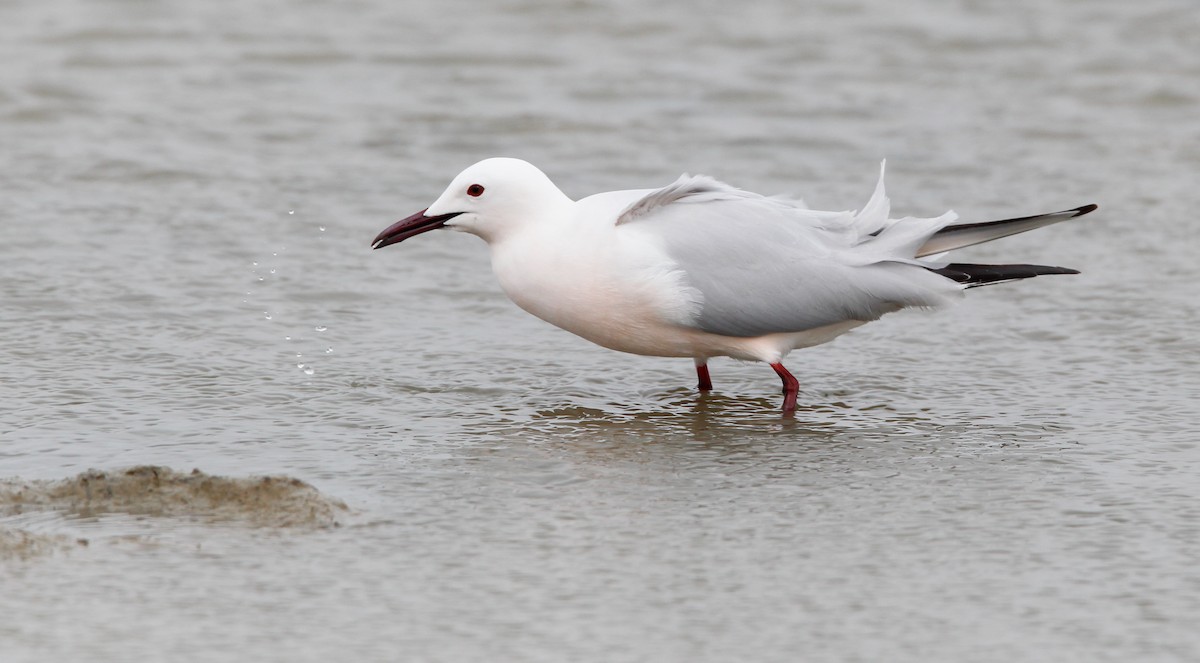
475, 190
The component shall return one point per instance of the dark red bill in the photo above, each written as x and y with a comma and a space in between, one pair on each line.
412, 226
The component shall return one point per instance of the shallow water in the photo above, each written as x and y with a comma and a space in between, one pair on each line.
190, 190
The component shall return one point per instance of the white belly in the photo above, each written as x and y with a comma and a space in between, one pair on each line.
628, 299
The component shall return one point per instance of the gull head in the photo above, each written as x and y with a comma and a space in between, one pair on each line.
489, 199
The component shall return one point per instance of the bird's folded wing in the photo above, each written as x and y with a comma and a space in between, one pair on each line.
760, 266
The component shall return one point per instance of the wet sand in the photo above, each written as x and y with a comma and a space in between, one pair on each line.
160, 492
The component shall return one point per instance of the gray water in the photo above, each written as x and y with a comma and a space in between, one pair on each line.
188, 193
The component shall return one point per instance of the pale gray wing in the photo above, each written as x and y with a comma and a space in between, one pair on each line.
762, 266
957, 236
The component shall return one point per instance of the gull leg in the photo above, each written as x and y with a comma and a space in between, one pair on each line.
791, 387
702, 374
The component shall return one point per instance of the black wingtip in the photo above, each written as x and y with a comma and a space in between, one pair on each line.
976, 275
1080, 211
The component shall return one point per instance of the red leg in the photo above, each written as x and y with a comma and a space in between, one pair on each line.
705, 381
791, 387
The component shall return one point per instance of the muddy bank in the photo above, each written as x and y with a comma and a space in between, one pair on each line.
162, 492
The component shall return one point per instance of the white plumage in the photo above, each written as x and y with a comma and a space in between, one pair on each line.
701, 269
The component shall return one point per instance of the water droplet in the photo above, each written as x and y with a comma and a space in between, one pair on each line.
308, 370
291, 211
287, 338
328, 351
255, 264
275, 254
299, 355
267, 314
322, 228
320, 328
261, 279
272, 270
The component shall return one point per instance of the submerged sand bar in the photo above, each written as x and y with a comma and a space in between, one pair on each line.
269, 501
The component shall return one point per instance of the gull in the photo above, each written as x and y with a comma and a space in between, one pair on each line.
701, 269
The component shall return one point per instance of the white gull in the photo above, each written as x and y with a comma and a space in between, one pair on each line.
701, 269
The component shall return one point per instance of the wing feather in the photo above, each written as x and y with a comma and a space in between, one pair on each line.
686, 189
763, 268
770, 265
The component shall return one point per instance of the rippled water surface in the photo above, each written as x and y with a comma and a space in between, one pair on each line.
189, 190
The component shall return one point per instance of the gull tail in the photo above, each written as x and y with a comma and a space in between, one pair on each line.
966, 234
976, 275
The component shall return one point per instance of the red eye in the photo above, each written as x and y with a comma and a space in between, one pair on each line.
475, 190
